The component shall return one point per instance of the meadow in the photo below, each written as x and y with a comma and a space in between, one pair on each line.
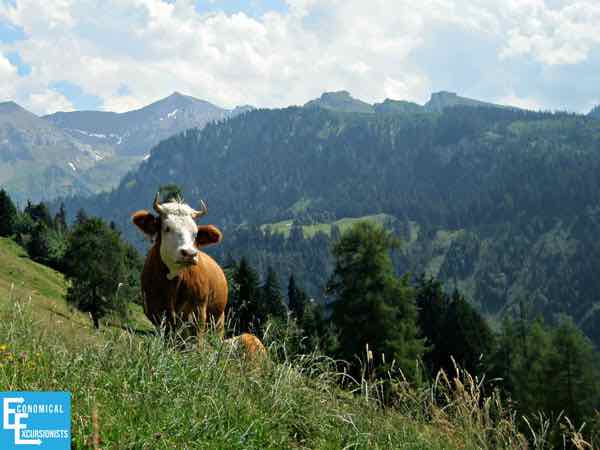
134, 388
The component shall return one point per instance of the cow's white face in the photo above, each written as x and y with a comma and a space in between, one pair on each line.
177, 237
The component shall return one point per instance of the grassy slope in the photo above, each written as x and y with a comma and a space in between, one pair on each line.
22, 279
25, 280
284, 226
148, 395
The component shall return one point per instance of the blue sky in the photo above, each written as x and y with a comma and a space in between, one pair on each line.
92, 54
254, 8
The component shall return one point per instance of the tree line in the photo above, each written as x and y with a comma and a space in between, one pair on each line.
101, 268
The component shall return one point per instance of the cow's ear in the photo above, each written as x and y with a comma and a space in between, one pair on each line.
207, 235
146, 222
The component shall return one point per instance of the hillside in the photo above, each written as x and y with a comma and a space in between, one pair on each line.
118, 377
39, 160
504, 200
44, 290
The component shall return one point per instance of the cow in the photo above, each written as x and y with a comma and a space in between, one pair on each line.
248, 344
249, 348
180, 283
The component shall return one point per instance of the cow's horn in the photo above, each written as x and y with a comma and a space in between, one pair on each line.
156, 205
201, 212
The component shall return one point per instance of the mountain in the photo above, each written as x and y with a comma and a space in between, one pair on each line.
39, 160
397, 106
86, 152
442, 100
340, 101
501, 203
134, 133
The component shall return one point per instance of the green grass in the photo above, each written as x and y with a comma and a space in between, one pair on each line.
146, 394
17, 270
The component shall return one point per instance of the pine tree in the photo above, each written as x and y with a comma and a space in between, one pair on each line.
465, 336
81, 217
335, 233
39, 213
271, 301
38, 246
372, 305
60, 219
297, 299
571, 365
432, 304
246, 295
8, 215
296, 237
96, 266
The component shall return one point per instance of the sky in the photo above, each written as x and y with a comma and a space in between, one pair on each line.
118, 55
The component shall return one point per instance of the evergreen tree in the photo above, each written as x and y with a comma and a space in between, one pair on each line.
271, 301
297, 299
8, 215
432, 305
466, 337
572, 367
96, 266
372, 305
81, 217
60, 219
38, 246
335, 233
39, 213
23, 227
296, 236
246, 296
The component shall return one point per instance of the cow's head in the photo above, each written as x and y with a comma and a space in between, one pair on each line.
176, 232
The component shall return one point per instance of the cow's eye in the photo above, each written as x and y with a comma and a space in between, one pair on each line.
167, 229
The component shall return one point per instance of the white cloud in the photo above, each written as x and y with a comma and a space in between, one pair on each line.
155, 47
520, 102
47, 101
411, 88
563, 34
9, 76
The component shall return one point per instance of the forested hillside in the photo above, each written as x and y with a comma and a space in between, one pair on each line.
501, 203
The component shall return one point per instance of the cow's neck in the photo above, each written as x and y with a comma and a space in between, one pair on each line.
171, 272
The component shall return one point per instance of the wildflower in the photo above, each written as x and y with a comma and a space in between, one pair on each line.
3, 347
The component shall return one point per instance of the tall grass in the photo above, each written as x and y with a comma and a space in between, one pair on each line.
141, 391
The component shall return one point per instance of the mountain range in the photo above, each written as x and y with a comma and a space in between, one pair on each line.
134, 133
86, 152
344, 102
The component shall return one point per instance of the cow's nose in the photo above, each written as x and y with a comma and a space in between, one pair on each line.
188, 252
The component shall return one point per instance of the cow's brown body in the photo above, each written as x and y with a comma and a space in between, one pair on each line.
198, 293
248, 347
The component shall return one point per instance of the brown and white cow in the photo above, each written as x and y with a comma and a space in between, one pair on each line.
180, 283
248, 345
